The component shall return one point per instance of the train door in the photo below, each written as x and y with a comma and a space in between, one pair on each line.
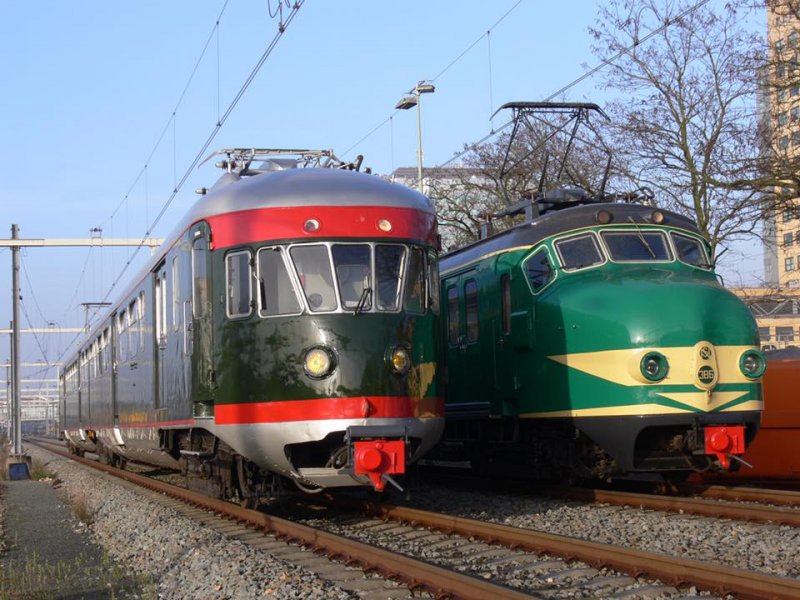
504, 383
160, 332
466, 386
199, 330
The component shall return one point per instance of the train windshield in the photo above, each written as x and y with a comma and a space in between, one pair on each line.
579, 252
636, 246
690, 251
362, 277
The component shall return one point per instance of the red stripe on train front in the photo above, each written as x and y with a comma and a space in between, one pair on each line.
257, 225
358, 407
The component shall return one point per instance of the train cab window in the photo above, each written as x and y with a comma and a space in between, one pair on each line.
579, 252
414, 300
353, 265
636, 246
538, 270
239, 284
505, 303
433, 283
471, 309
690, 251
453, 316
276, 292
389, 261
314, 271
199, 277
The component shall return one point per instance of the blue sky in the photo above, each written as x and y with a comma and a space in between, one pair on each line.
88, 88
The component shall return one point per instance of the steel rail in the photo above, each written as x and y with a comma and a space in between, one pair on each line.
745, 494
676, 571
415, 573
695, 506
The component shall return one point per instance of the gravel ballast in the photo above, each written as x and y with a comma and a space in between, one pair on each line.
183, 558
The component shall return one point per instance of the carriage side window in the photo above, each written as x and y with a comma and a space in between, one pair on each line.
133, 329
353, 264
414, 300
199, 278
238, 283
690, 251
106, 346
538, 270
579, 252
471, 308
636, 246
313, 267
453, 317
122, 338
389, 265
275, 289
505, 303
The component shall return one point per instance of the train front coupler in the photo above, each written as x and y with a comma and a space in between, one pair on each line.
377, 452
725, 442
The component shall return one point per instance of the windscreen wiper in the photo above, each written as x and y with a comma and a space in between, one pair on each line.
641, 237
366, 293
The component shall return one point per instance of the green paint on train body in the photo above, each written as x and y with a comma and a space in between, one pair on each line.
519, 361
260, 359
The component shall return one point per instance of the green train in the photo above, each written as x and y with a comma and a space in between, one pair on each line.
594, 340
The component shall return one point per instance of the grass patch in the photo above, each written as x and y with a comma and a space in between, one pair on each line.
3, 456
81, 509
34, 578
39, 470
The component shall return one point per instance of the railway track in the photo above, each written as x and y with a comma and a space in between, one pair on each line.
496, 557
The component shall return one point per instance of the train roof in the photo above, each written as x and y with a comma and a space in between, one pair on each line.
279, 189
561, 221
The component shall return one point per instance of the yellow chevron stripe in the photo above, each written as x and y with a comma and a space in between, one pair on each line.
633, 409
622, 366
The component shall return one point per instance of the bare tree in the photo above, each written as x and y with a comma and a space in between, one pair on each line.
688, 115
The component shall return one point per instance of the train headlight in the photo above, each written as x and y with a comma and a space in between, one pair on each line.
752, 364
399, 360
654, 366
318, 363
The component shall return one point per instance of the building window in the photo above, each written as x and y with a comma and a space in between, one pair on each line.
780, 71
788, 263
792, 39
783, 119
781, 95
783, 143
787, 215
788, 239
796, 113
763, 334
784, 334
779, 46
794, 90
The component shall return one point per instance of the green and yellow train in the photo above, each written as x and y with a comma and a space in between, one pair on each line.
595, 340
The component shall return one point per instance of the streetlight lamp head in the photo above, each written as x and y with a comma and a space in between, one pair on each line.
406, 102
425, 87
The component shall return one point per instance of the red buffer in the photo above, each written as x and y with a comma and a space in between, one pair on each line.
375, 458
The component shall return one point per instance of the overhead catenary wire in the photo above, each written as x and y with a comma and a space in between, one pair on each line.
214, 131
438, 75
283, 25
603, 63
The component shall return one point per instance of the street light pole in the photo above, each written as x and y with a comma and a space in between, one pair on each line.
17, 435
406, 102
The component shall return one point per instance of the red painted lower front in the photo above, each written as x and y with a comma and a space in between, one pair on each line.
357, 407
